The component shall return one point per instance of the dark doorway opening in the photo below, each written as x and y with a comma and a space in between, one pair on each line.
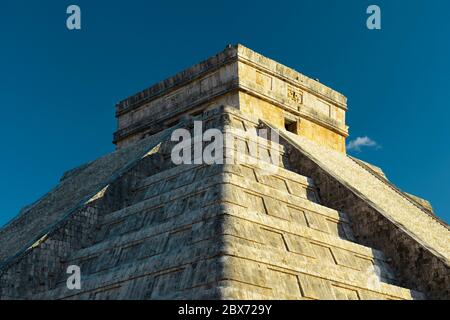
290, 125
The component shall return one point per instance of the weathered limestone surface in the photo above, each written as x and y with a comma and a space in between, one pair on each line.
427, 229
74, 191
297, 219
228, 231
244, 79
384, 217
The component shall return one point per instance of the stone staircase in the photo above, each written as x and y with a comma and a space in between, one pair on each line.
247, 229
228, 231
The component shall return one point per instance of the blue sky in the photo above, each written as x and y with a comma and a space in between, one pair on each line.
58, 88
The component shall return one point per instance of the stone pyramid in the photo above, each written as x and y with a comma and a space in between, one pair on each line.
297, 219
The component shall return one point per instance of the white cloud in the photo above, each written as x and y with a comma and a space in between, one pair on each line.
359, 142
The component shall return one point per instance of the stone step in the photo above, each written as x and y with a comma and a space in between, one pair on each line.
424, 228
138, 273
163, 203
289, 205
260, 230
188, 269
159, 225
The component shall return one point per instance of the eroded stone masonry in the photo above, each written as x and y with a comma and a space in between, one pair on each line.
315, 224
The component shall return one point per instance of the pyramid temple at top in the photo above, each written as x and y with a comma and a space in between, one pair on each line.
296, 219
